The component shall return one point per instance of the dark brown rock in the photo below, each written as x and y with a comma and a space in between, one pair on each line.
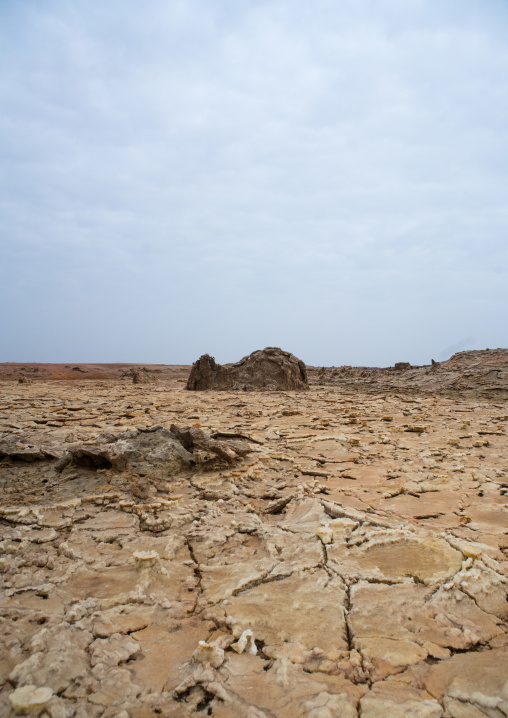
402, 366
270, 369
142, 376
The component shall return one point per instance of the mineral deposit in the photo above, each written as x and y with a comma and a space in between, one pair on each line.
340, 551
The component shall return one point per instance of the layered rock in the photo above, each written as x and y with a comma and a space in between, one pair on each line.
270, 369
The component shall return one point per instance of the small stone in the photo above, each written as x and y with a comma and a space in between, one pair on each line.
145, 558
325, 534
207, 654
30, 700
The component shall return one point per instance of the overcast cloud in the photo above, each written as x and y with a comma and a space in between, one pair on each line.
218, 176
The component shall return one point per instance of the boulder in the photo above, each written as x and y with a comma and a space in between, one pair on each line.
270, 369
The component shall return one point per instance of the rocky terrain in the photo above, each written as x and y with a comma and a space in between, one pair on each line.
472, 373
339, 551
26, 372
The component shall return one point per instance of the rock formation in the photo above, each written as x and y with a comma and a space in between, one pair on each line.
154, 451
142, 376
270, 369
401, 365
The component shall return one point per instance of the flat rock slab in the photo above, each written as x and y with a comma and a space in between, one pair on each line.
303, 609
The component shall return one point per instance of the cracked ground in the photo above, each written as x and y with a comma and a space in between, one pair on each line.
353, 563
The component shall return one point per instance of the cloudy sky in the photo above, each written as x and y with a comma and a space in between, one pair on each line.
188, 176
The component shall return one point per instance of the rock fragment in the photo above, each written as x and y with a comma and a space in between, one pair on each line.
208, 654
113, 650
30, 700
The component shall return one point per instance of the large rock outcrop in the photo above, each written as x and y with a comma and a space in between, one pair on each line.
270, 369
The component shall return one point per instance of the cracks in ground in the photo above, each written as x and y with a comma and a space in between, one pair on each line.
196, 569
260, 644
464, 590
288, 530
266, 578
202, 705
336, 511
347, 611
356, 578
432, 593
324, 562
473, 648
364, 676
383, 581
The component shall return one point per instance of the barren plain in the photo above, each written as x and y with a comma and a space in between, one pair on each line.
335, 552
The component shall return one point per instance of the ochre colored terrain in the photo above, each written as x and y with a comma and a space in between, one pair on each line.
12, 371
339, 551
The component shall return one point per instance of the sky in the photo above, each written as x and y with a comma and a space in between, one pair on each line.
213, 176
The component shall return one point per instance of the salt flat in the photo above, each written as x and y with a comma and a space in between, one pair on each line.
351, 560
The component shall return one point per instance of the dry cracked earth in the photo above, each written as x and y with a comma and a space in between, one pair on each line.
352, 563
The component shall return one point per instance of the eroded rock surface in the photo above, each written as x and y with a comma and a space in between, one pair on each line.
154, 452
320, 554
270, 369
482, 373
